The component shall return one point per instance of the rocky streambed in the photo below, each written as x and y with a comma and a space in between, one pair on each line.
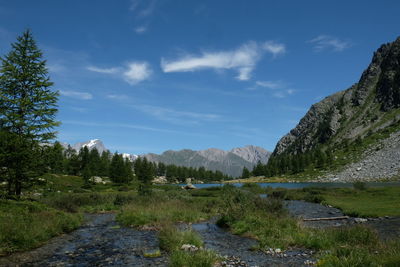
102, 242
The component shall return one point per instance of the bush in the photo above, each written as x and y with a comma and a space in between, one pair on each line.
253, 187
313, 198
281, 194
358, 185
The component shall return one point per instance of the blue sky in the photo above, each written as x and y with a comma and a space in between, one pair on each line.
152, 75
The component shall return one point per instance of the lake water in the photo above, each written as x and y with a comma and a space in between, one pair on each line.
302, 185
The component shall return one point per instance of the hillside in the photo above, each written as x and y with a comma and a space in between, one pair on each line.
364, 117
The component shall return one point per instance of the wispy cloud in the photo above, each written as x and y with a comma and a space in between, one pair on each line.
278, 88
117, 97
176, 116
327, 42
134, 72
143, 8
76, 94
137, 72
270, 84
243, 59
131, 126
143, 11
56, 68
103, 70
274, 48
141, 29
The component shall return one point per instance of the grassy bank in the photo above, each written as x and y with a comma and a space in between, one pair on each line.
164, 208
265, 220
25, 225
363, 202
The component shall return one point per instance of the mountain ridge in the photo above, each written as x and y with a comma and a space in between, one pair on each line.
364, 110
229, 162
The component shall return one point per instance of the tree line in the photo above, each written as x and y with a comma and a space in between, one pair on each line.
87, 163
291, 163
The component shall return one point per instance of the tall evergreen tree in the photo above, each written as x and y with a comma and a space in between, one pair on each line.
144, 173
28, 108
245, 173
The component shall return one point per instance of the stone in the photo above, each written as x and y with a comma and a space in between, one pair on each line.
189, 247
360, 220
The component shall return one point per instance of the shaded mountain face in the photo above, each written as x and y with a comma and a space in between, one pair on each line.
228, 162
370, 105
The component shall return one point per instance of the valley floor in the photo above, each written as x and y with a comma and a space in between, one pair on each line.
235, 226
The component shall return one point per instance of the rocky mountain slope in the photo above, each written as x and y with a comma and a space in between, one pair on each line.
91, 144
366, 109
228, 162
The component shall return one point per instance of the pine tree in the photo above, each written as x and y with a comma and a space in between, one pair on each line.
245, 173
27, 111
145, 175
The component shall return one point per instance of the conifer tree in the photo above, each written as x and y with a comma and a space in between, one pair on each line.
28, 108
245, 173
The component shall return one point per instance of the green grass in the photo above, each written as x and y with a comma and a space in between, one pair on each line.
158, 210
171, 240
25, 225
371, 202
89, 202
202, 258
245, 214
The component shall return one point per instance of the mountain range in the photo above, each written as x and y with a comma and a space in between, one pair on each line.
229, 162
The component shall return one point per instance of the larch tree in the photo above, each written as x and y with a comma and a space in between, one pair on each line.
28, 108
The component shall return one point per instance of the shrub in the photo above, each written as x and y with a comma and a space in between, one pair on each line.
358, 185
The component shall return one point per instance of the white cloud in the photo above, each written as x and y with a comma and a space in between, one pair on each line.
325, 42
274, 47
269, 84
243, 60
103, 70
141, 29
134, 73
137, 72
77, 95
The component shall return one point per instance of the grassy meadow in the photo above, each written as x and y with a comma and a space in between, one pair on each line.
58, 208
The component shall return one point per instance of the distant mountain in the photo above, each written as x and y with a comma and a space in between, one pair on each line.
98, 144
252, 154
229, 162
95, 143
370, 110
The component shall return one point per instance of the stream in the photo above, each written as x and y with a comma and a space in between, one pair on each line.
102, 242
